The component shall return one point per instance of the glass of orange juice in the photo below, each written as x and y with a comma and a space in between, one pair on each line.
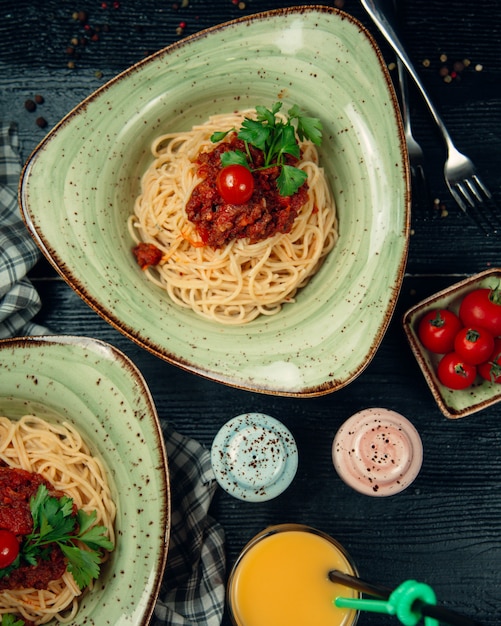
281, 579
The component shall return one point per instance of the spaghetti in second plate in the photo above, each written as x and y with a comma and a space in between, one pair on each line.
241, 280
59, 454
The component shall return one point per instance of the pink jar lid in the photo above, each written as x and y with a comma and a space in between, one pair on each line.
377, 452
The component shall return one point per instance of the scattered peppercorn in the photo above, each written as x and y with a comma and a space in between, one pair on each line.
41, 122
29, 105
39, 99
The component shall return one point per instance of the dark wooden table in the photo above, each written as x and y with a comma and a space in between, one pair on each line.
445, 529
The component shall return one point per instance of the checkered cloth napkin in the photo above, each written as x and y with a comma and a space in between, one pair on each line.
19, 301
193, 587
192, 592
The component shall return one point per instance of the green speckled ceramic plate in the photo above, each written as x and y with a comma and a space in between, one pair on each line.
452, 402
100, 391
79, 186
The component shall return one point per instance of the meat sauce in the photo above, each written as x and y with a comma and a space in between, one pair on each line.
147, 254
264, 215
17, 486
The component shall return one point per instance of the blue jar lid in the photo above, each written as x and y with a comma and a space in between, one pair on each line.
254, 457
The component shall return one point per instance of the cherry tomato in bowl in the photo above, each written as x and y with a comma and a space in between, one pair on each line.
474, 345
9, 548
235, 184
453, 372
437, 330
482, 307
491, 369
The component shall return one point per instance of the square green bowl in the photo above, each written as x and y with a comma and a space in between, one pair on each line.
453, 403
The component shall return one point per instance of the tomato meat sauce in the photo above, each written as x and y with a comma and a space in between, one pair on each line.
17, 486
265, 214
147, 254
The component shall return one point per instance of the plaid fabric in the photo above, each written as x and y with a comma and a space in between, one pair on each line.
192, 592
193, 588
19, 301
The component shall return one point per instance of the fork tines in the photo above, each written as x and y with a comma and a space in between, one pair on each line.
475, 200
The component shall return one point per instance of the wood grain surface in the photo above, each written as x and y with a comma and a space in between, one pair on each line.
445, 529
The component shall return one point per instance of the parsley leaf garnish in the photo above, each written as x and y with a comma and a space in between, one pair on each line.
275, 138
10, 620
55, 523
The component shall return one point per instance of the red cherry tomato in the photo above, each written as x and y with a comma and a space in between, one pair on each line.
491, 369
437, 330
235, 184
454, 372
474, 345
482, 307
9, 548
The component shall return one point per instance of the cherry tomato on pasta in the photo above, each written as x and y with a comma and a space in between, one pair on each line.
474, 345
437, 330
482, 307
454, 372
235, 184
491, 369
9, 548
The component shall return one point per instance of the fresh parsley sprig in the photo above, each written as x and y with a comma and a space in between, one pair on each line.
11, 620
55, 523
276, 138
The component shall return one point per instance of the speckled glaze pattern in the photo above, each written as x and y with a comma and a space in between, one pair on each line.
453, 403
79, 185
377, 452
99, 390
254, 457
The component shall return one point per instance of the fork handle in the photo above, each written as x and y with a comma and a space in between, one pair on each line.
378, 14
402, 76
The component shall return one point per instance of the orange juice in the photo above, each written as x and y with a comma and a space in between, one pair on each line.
281, 579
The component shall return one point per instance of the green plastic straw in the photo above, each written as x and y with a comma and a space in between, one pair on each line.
410, 602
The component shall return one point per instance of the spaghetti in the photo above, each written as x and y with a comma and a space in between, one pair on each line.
241, 280
58, 453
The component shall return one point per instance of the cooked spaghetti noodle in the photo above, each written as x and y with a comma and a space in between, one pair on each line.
236, 283
58, 453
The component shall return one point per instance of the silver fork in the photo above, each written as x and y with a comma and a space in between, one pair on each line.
469, 192
420, 194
